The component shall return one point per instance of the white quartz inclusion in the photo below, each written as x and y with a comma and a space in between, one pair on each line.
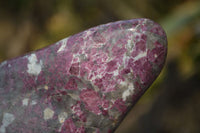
63, 45
140, 55
25, 101
48, 113
8, 118
128, 92
62, 116
34, 67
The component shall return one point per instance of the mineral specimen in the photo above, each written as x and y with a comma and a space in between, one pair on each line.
85, 83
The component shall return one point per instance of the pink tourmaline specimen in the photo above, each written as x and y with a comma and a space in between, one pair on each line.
85, 83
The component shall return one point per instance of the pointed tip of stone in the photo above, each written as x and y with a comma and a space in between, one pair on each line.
147, 48
155, 51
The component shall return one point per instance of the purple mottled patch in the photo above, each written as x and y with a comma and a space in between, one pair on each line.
84, 83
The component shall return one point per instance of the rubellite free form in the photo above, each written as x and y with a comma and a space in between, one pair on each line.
85, 83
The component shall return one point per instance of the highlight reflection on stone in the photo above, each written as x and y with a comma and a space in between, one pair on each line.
84, 83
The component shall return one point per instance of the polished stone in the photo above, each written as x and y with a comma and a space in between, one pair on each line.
84, 83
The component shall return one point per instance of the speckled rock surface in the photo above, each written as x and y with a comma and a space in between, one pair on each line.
85, 83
